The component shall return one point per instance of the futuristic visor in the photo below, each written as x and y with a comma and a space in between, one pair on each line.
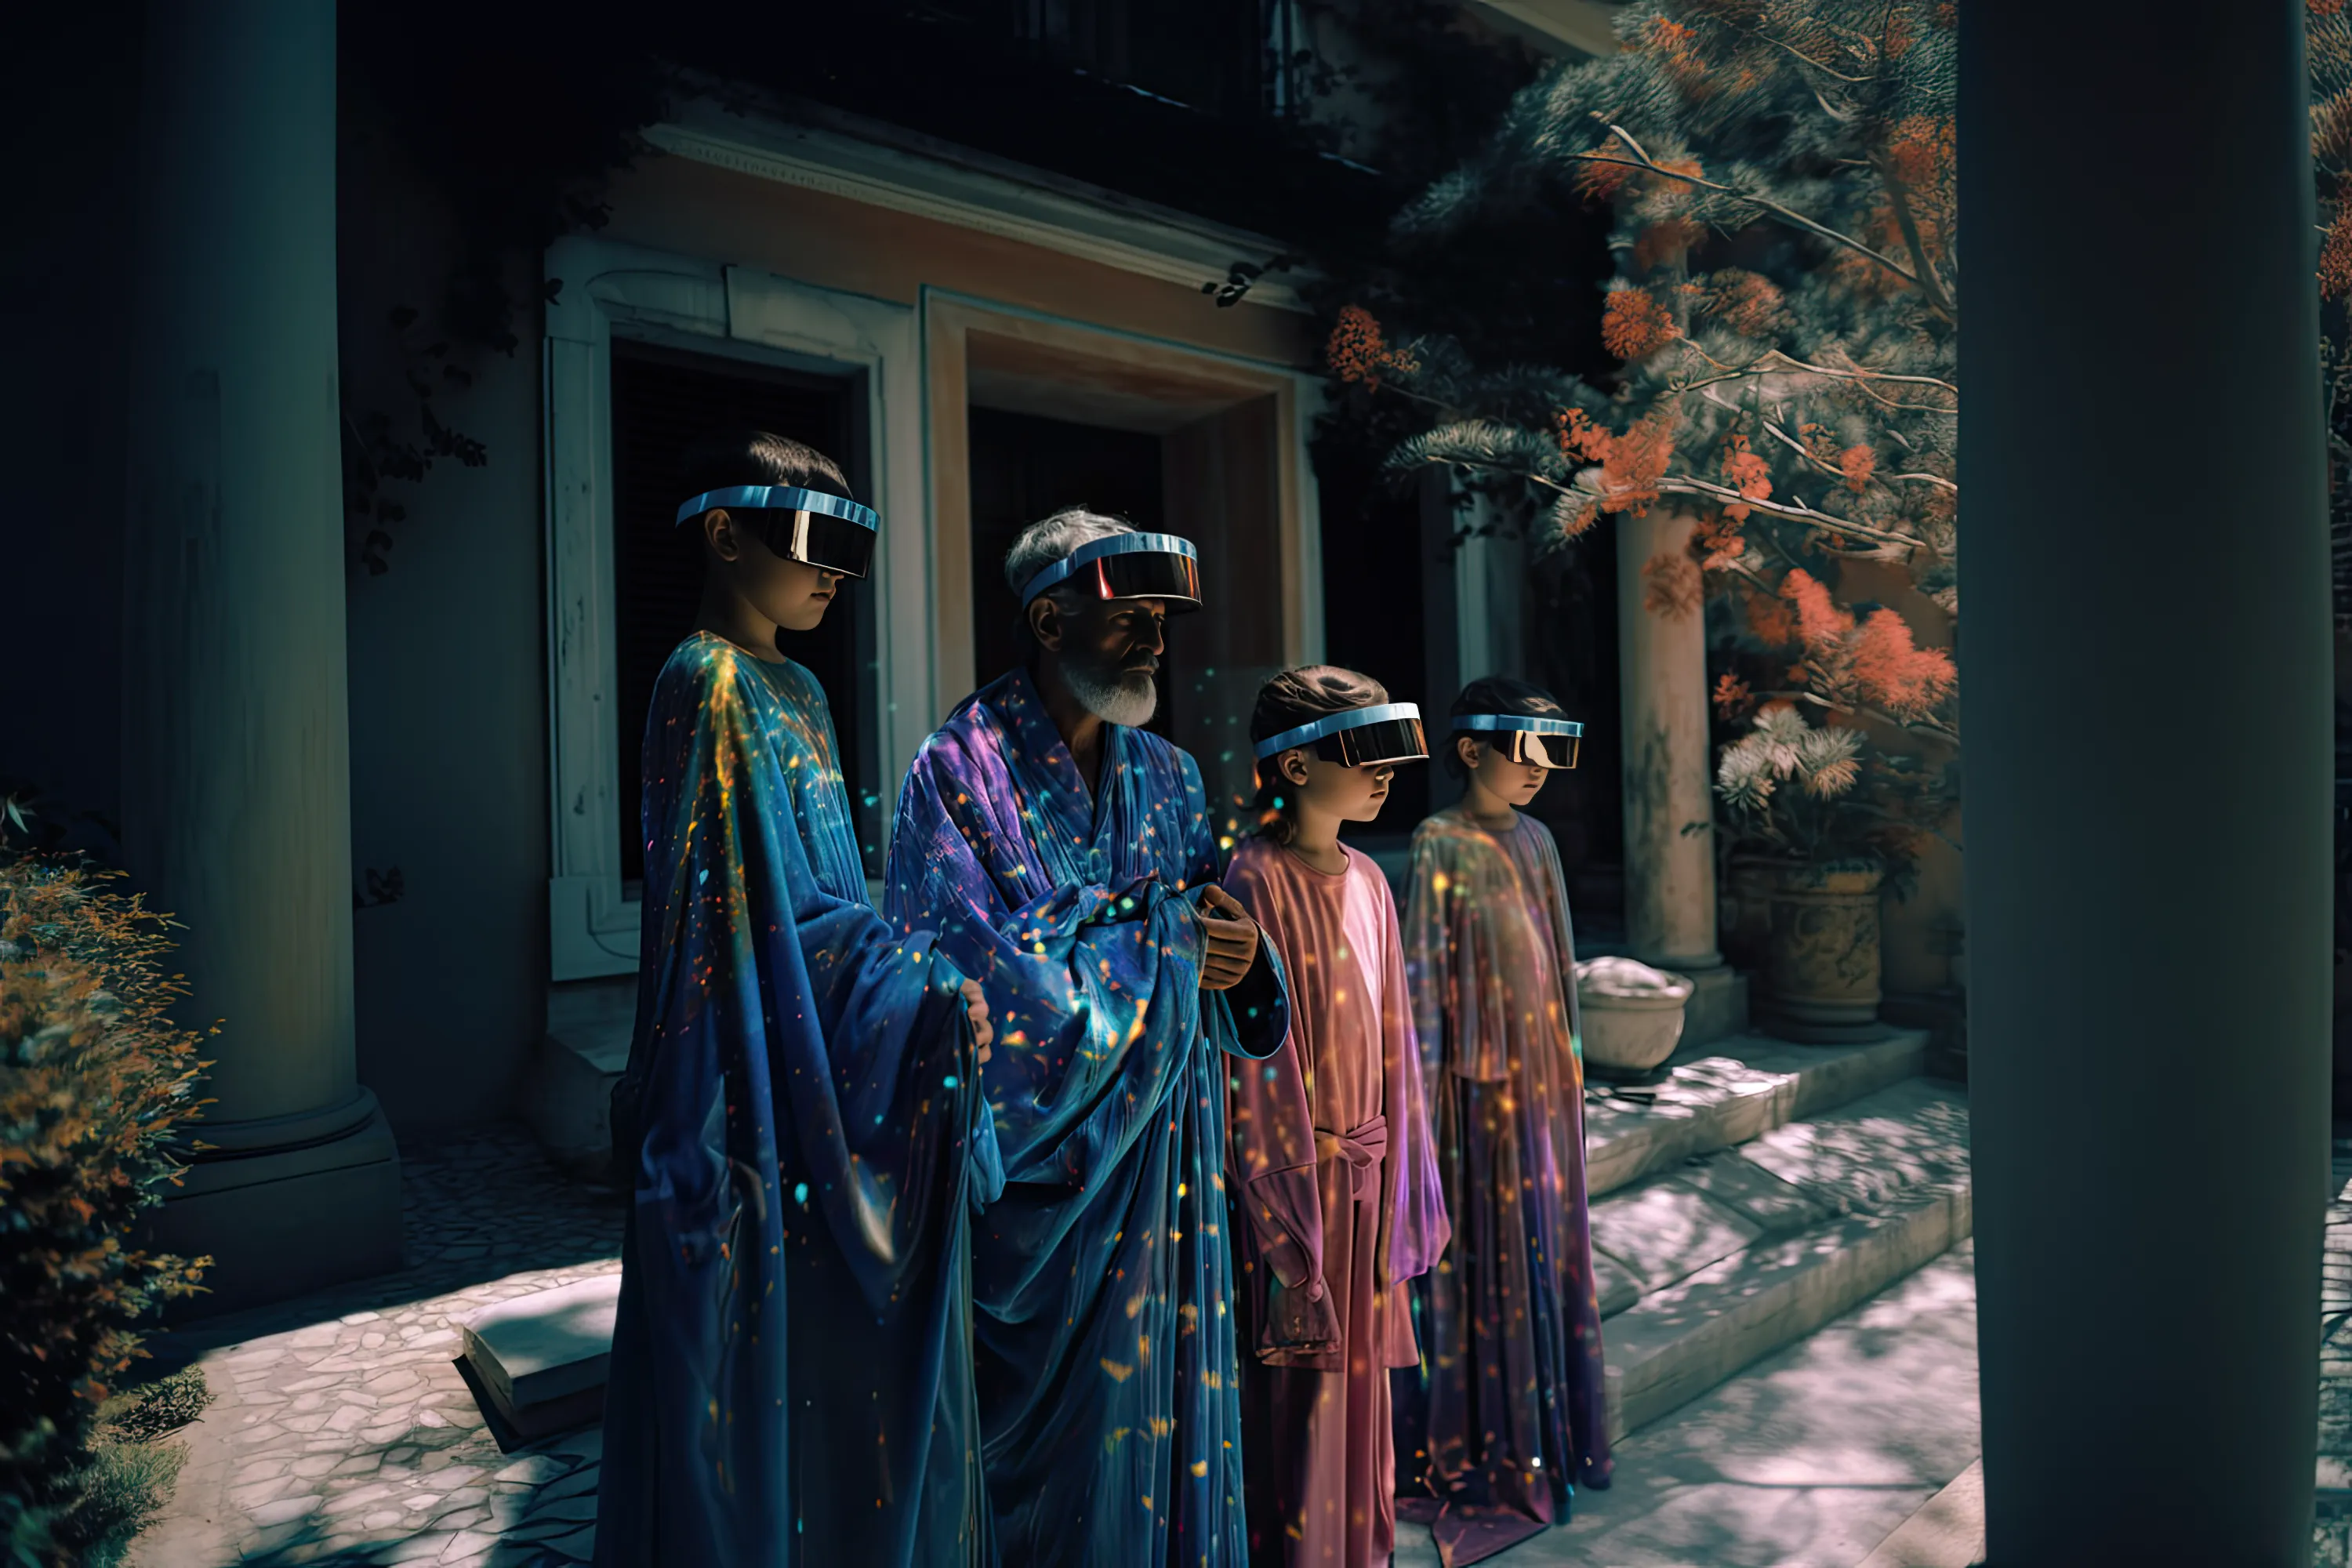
1127, 566
831, 533
1546, 743
1360, 738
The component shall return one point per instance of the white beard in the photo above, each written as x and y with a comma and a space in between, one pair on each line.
1115, 697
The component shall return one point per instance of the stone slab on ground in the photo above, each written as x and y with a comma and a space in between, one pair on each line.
541, 1347
1809, 1459
1713, 1096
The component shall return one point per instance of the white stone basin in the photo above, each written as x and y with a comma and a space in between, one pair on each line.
1632, 1014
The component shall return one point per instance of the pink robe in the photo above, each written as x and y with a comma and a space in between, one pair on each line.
1335, 1185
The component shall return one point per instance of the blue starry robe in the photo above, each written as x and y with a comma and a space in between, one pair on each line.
801, 1127
1103, 1285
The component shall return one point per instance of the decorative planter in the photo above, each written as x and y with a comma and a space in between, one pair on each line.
1824, 958
1631, 1014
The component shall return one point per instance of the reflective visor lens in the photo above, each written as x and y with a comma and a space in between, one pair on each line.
1543, 751
1368, 745
1144, 574
821, 539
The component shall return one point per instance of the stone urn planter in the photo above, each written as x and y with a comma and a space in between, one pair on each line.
1822, 961
1631, 1014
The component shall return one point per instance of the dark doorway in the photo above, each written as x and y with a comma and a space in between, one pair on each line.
663, 399
1024, 467
1372, 570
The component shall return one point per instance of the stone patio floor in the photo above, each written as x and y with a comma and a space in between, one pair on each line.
342, 1434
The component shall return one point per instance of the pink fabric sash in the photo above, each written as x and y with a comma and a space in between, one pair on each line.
1362, 1147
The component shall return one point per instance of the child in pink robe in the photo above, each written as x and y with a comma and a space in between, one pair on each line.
1334, 1181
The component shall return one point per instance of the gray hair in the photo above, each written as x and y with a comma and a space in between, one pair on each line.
1048, 539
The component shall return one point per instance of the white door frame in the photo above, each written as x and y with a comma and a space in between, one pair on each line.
614, 290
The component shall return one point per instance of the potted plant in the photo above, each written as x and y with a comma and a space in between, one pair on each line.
1835, 820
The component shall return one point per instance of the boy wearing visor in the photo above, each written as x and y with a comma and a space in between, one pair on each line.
1065, 855
1331, 1178
801, 1123
1513, 1417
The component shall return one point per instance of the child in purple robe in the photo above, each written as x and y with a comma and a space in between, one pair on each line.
1514, 1403
1332, 1179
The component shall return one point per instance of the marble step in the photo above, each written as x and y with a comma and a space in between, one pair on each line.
1740, 1252
1724, 1092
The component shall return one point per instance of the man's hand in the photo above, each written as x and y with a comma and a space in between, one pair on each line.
1229, 944
975, 1008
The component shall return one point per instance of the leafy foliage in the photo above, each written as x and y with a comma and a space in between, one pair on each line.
1818, 794
1782, 320
94, 1081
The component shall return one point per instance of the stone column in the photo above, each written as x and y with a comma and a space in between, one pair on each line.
2149, 963
236, 809
1668, 774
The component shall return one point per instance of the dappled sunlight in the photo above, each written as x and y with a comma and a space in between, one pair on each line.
1812, 1457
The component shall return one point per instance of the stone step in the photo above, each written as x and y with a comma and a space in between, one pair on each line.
1719, 1093
1807, 1459
1741, 1252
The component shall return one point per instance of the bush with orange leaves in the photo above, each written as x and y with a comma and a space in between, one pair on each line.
95, 1080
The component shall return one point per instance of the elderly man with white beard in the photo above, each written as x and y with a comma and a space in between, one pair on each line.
1067, 859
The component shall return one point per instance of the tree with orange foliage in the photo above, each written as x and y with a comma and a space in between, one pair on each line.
1785, 312
2327, 54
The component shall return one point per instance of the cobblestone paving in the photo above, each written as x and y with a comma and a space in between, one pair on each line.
341, 1433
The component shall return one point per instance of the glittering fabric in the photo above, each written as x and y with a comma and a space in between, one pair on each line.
1102, 1284
790, 1379
1335, 1181
1514, 1414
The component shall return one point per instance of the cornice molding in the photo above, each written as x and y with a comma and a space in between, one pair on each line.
1188, 254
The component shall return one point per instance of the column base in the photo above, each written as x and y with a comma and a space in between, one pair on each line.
282, 1221
1717, 1007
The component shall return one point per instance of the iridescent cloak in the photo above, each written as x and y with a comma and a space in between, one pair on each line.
1102, 1286
803, 1132
1511, 1323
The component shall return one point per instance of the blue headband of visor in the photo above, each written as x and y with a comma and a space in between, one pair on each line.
1517, 722
782, 498
1097, 549
1354, 718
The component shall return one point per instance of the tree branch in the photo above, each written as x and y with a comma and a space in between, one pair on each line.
1929, 282
1642, 160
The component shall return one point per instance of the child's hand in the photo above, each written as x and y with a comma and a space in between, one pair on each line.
1229, 940
975, 1008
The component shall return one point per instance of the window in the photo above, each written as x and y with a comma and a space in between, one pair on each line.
662, 400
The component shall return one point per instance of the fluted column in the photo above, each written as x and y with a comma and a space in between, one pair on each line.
2147, 814
236, 753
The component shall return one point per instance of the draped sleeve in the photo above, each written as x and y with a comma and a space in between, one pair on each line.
1094, 982
1272, 1122
1415, 1228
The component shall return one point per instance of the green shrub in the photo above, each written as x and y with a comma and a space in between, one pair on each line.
95, 1078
